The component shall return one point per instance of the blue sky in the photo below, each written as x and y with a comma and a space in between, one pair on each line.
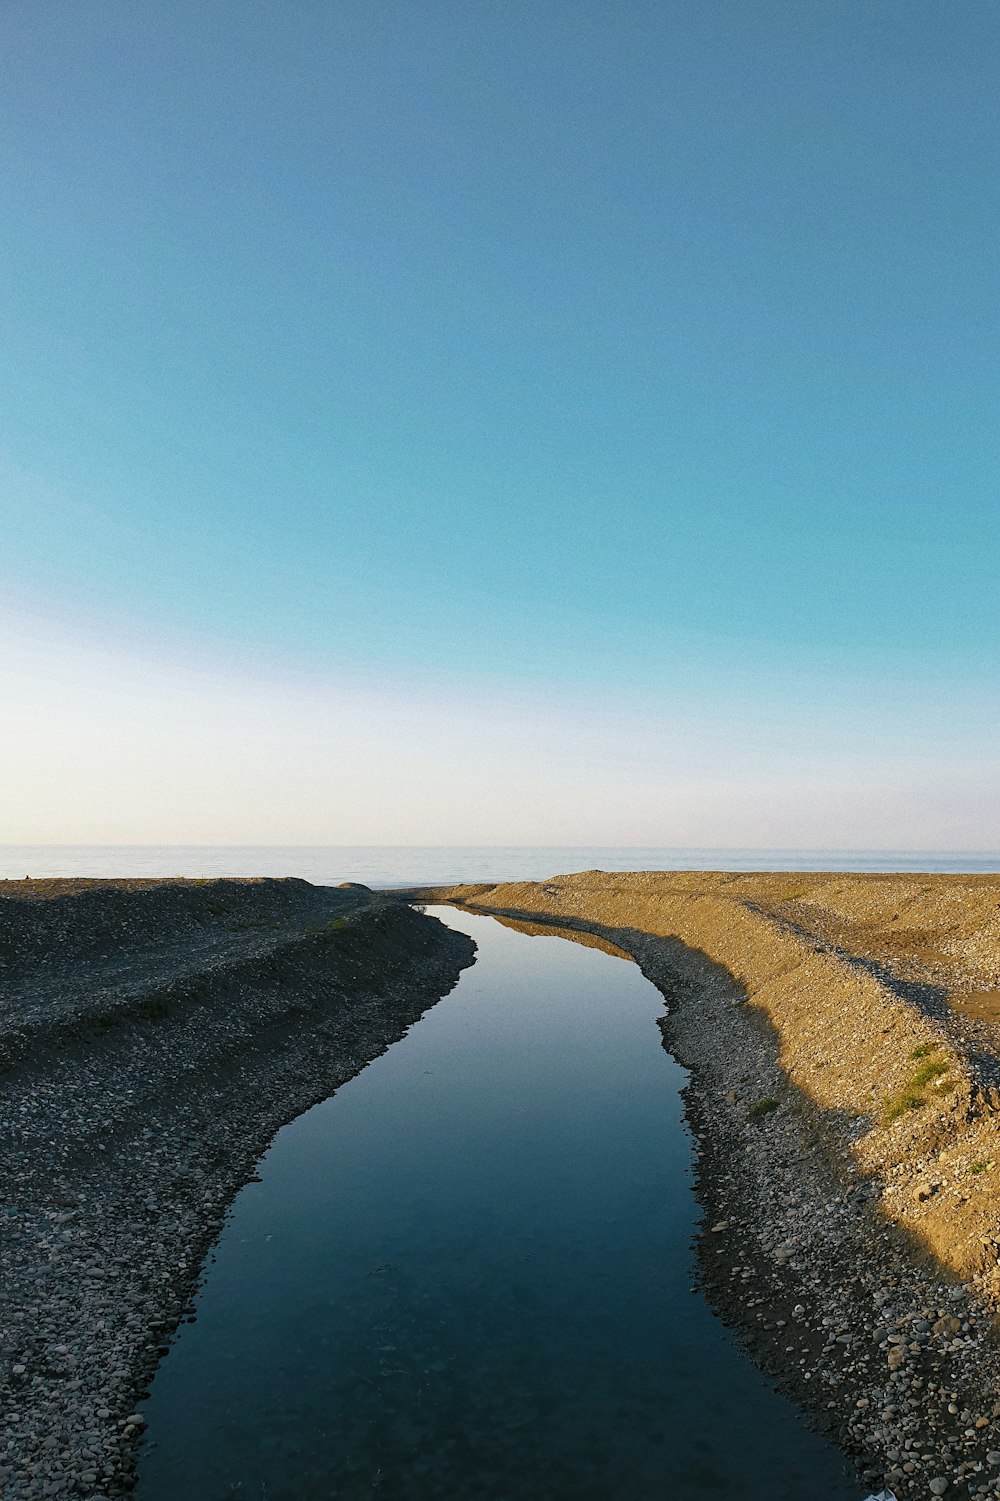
631, 364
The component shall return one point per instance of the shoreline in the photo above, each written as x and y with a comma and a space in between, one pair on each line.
826, 1242
154, 1037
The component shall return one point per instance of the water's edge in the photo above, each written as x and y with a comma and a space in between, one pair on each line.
773, 1182
123, 1146
253, 1310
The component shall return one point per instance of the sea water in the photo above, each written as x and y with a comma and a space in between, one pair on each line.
404, 865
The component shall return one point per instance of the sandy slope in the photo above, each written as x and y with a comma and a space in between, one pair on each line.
846, 1062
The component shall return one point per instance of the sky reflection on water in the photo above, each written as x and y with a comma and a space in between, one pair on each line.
468, 1275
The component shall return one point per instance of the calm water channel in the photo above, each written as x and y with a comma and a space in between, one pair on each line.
468, 1275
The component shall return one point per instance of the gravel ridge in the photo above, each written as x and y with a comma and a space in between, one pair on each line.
134, 1109
885, 1348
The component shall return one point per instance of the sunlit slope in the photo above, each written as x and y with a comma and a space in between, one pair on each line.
862, 980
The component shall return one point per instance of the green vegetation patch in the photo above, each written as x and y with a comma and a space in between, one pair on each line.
326, 929
760, 1108
934, 1068
900, 1103
913, 1095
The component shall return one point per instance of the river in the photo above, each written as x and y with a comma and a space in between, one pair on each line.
469, 1274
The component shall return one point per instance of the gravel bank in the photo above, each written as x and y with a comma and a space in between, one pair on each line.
850, 1229
154, 1036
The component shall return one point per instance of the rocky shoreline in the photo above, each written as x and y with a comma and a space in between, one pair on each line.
868, 1337
844, 1063
153, 1037
890, 1348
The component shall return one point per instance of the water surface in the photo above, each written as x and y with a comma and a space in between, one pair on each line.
468, 1275
447, 865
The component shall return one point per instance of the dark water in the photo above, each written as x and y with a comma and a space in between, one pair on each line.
468, 1275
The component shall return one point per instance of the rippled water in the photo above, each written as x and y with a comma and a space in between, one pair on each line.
468, 1275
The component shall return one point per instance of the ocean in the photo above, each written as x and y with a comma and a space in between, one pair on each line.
386, 865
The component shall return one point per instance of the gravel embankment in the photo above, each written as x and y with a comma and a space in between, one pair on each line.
851, 1217
153, 1037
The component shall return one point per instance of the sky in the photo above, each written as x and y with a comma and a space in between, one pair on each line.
549, 422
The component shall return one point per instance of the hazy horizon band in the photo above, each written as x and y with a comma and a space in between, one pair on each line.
401, 865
